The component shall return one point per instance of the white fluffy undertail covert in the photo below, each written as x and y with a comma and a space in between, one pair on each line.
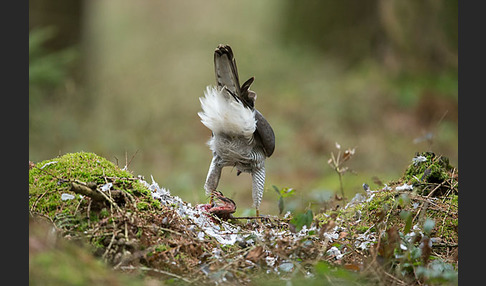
223, 114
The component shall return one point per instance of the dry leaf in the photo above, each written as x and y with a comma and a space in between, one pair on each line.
352, 267
325, 228
342, 234
255, 254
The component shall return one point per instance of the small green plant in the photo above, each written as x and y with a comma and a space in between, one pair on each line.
283, 193
299, 220
412, 255
337, 163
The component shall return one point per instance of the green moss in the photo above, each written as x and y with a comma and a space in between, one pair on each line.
49, 179
156, 204
104, 213
427, 168
162, 248
142, 206
391, 211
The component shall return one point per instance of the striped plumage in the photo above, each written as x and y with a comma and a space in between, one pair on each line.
242, 137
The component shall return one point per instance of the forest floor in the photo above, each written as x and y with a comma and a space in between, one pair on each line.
92, 222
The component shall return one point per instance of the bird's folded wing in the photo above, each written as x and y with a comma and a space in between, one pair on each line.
266, 133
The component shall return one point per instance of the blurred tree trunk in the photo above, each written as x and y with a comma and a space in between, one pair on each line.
65, 16
421, 35
347, 29
413, 35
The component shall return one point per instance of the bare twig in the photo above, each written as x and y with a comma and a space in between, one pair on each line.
251, 217
120, 178
395, 279
38, 199
127, 163
421, 211
143, 268
436, 188
109, 245
88, 211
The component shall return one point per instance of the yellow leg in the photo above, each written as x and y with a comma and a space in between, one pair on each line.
211, 197
257, 212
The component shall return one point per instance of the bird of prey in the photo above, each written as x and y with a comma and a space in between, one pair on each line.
241, 136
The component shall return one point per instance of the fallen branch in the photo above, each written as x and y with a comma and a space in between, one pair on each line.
250, 217
143, 268
86, 191
95, 194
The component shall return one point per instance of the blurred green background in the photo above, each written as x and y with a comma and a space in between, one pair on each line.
122, 79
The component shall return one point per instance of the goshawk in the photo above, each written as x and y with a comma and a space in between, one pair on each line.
241, 136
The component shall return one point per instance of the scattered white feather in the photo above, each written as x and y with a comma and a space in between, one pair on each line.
357, 199
334, 235
66, 197
157, 192
47, 164
387, 188
404, 187
334, 251
370, 198
419, 159
106, 187
270, 260
364, 240
229, 234
225, 233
